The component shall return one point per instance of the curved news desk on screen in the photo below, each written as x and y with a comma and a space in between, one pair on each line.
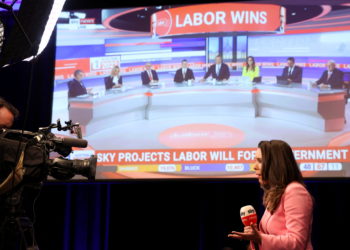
320, 109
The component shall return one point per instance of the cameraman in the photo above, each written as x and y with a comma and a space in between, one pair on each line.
8, 113
16, 228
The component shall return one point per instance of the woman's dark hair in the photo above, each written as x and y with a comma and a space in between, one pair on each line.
279, 168
253, 65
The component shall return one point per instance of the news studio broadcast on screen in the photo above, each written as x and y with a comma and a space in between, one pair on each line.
188, 91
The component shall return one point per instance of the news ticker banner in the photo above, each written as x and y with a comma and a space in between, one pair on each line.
102, 66
213, 156
211, 160
218, 18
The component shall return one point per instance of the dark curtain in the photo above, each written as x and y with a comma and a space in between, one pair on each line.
150, 215
29, 86
171, 214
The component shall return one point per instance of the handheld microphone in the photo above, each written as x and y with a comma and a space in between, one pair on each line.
248, 215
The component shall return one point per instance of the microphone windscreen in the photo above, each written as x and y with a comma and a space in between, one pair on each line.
248, 215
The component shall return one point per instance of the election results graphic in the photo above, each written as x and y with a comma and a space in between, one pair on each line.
163, 91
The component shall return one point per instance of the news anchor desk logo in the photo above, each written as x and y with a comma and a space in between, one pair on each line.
217, 18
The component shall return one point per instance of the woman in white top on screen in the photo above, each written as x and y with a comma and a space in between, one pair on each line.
114, 80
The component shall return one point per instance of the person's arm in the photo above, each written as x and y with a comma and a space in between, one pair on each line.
322, 79
297, 206
226, 73
120, 80
285, 73
257, 71
191, 75
244, 71
70, 89
85, 90
339, 80
177, 76
299, 75
108, 82
144, 78
209, 72
155, 75
74, 89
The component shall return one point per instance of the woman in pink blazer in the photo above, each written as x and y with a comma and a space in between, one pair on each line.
287, 221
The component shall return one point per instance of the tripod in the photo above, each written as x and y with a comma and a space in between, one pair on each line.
16, 228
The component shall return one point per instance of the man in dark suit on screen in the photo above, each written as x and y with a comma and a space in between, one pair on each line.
149, 75
218, 71
184, 73
332, 77
292, 72
76, 86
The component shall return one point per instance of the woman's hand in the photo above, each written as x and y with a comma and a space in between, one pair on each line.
250, 233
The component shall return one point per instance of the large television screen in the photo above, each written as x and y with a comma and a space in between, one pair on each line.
163, 91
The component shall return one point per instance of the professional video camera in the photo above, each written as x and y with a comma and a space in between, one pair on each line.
25, 156
24, 164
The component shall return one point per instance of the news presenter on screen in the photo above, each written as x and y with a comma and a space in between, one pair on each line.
250, 69
76, 86
149, 75
184, 73
292, 72
331, 78
114, 80
218, 71
287, 221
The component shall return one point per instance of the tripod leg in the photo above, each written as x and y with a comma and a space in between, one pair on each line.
9, 234
26, 230
17, 233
